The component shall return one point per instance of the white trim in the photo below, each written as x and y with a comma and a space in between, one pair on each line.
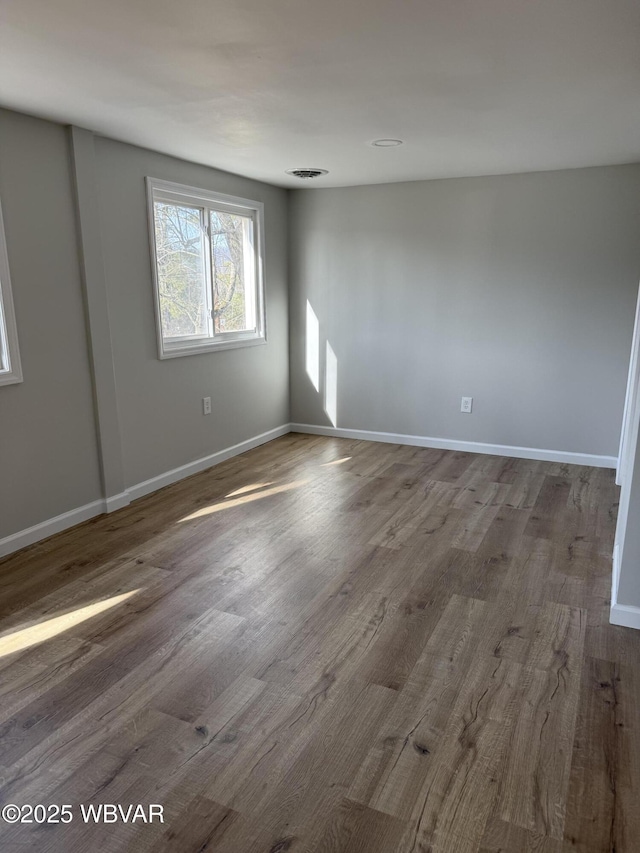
117, 502
198, 465
51, 526
615, 574
76, 516
630, 403
468, 446
625, 615
206, 199
188, 194
196, 349
8, 327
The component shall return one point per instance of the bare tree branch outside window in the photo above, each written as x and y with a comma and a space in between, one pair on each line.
181, 272
207, 254
227, 262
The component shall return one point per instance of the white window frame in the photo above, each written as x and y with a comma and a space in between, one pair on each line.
159, 190
10, 366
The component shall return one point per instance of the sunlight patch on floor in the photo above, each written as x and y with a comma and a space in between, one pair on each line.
252, 488
24, 638
336, 462
228, 504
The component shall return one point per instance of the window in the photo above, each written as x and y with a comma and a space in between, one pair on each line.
208, 269
10, 370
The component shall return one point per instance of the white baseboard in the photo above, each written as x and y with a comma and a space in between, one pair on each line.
17, 541
117, 502
625, 615
169, 477
49, 527
468, 446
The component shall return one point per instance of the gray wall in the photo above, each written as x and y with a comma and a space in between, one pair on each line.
48, 449
49, 457
517, 290
160, 402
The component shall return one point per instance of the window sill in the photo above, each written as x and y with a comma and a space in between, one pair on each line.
13, 378
198, 349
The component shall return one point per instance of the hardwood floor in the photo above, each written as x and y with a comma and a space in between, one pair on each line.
329, 645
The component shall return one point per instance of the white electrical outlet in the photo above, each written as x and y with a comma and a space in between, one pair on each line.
466, 405
206, 405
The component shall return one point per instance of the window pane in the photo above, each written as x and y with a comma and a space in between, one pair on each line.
233, 272
181, 270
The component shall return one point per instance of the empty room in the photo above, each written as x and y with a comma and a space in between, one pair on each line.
320, 426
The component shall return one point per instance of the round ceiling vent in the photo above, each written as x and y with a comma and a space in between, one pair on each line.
306, 174
386, 143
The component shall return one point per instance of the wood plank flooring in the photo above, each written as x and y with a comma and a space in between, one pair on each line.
329, 645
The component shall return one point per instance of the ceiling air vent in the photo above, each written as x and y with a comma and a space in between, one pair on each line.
306, 174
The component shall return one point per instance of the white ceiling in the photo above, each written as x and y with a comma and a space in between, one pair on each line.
260, 86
